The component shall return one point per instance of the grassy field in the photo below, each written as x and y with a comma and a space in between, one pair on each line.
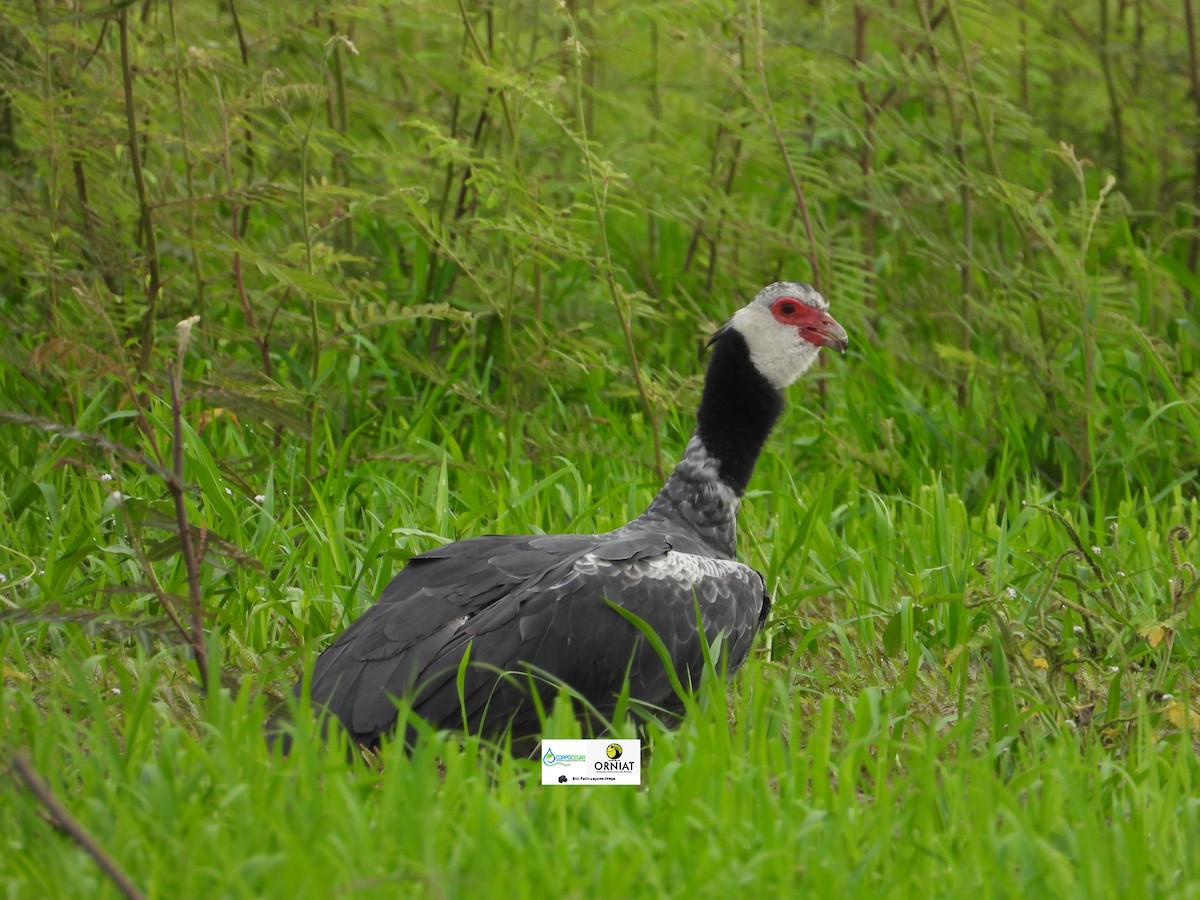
453, 266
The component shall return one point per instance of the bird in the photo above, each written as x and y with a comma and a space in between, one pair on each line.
479, 633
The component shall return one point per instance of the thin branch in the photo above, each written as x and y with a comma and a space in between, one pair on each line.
87, 214
482, 53
867, 156
239, 281
1110, 87
965, 271
768, 111
62, 819
599, 187
190, 558
146, 220
88, 437
1023, 43
981, 122
339, 121
656, 111
1194, 76
713, 238
248, 154
243, 48
133, 391
188, 165
167, 601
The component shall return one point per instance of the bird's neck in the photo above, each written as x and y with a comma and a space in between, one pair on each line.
737, 411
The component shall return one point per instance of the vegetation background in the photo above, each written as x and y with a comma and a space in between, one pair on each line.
293, 291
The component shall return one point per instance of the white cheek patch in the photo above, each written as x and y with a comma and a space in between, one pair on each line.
777, 351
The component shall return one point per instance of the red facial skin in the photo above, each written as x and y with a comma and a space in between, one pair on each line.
813, 325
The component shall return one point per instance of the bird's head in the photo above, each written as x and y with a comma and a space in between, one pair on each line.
784, 328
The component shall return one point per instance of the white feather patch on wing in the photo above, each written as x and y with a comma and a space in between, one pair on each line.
684, 568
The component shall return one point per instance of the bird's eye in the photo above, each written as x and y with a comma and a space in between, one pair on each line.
788, 309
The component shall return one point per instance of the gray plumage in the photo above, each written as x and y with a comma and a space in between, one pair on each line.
535, 605
528, 613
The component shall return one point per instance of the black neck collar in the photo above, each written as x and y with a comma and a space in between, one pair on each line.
738, 409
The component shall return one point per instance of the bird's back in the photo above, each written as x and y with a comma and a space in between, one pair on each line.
528, 613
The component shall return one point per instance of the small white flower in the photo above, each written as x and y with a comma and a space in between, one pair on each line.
229, 491
107, 476
260, 498
1012, 593
1168, 696
1096, 550
116, 690
1114, 668
1120, 573
1078, 629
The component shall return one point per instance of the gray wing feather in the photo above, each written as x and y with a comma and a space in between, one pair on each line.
534, 604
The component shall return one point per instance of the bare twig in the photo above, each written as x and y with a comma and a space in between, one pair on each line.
1194, 75
598, 182
982, 122
87, 214
88, 437
239, 281
248, 135
1104, 48
768, 111
188, 165
866, 160
1023, 29
146, 220
62, 819
166, 600
713, 238
191, 559
1105, 583
482, 53
243, 48
966, 276
339, 121
132, 390
656, 111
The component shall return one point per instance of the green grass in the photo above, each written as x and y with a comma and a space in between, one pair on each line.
454, 277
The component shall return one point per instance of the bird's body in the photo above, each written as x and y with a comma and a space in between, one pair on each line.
533, 612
